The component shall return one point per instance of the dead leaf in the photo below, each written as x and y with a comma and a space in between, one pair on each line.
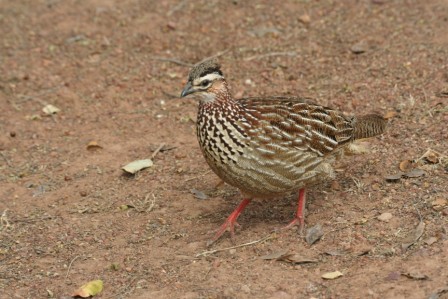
394, 177
50, 109
431, 241
431, 156
406, 165
390, 114
93, 145
275, 255
415, 275
137, 165
296, 259
413, 237
199, 194
284, 256
91, 288
415, 173
313, 234
439, 204
332, 275
336, 252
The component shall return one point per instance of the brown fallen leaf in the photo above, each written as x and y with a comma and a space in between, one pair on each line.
336, 252
431, 241
394, 177
415, 275
415, 173
284, 256
91, 288
275, 255
431, 156
406, 165
413, 237
93, 145
313, 234
439, 204
296, 259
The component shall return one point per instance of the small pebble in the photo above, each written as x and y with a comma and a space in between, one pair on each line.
359, 48
305, 19
385, 217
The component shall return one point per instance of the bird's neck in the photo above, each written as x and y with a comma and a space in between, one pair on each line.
218, 95
220, 102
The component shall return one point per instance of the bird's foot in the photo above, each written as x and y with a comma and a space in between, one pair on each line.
297, 221
230, 223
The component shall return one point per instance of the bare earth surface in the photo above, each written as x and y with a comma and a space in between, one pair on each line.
115, 69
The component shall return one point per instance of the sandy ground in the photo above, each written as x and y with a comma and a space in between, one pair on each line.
115, 70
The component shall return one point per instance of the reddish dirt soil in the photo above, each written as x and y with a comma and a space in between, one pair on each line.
106, 65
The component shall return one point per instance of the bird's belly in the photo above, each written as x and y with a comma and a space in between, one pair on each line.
259, 175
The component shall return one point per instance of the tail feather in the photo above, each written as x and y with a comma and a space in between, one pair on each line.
368, 126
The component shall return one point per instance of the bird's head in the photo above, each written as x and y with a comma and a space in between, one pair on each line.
205, 80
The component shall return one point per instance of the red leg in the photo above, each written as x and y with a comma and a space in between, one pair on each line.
231, 221
300, 219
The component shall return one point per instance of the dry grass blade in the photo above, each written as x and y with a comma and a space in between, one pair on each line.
172, 60
70, 265
413, 237
154, 154
210, 252
4, 223
291, 53
214, 56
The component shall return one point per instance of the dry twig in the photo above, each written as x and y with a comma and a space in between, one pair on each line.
209, 252
291, 53
172, 60
154, 154
70, 265
183, 63
214, 56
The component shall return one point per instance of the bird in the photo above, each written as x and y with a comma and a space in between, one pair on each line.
269, 146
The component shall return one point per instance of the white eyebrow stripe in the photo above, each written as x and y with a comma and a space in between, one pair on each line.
210, 77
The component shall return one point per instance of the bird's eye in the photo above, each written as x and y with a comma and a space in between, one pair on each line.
205, 83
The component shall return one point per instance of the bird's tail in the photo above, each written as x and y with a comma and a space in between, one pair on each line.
369, 126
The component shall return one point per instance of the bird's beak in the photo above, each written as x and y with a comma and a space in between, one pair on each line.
188, 89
